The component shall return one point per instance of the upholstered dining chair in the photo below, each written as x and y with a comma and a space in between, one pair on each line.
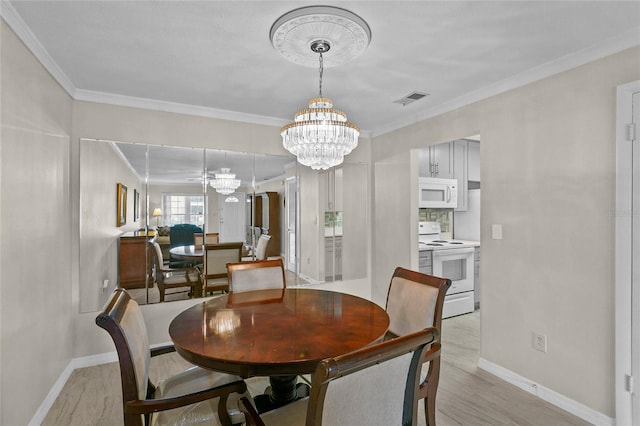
374, 385
172, 278
212, 238
194, 396
261, 247
414, 302
200, 239
214, 270
256, 275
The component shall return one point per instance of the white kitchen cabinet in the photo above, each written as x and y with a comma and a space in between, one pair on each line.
425, 262
460, 168
473, 166
437, 161
333, 258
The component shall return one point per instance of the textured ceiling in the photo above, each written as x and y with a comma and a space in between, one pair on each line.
217, 54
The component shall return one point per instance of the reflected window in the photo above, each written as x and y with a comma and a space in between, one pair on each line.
184, 209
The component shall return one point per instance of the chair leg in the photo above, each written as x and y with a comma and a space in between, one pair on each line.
162, 294
430, 411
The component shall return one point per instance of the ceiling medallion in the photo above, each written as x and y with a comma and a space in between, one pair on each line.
320, 136
347, 33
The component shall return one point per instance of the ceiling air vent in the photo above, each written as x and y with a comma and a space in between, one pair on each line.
411, 97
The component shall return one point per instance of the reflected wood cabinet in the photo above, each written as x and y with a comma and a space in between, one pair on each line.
132, 260
267, 217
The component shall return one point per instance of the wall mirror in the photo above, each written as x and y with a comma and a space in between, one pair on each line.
320, 232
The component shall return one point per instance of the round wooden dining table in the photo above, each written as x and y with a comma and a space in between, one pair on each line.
278, 333
187, 253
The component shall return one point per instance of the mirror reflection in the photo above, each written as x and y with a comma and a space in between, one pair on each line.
273, 207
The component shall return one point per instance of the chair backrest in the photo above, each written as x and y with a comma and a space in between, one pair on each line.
374, 385
256, 275
212, 238
158, 262
261, 249
218, 255
198, 239
415, 301
122, 318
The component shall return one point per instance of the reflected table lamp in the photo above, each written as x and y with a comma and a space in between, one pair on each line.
157, 213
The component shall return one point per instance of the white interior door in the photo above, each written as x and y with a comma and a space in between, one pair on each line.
291, 198
232, 218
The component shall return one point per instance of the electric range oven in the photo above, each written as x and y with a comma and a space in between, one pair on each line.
453, 260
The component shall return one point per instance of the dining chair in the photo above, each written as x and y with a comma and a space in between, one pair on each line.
212, 238
166, 277
256, 275
198, 239
261, 247
214, 270
374, 385
194, 396
414, 302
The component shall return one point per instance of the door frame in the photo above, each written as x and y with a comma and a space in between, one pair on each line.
623, 215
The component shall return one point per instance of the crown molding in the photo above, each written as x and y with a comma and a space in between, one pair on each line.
627, 40
17, 24
175, 107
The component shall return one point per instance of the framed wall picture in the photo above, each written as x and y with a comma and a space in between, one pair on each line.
136, 205
121, 205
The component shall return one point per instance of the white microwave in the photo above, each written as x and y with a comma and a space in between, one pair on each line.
438, 193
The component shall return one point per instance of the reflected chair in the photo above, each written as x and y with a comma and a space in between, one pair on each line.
213, 272
198, 239
171, 278
414, 302
256, 275
261, 247
212, 238
372, 386
194, 396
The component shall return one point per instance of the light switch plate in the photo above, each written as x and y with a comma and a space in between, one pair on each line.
496, 231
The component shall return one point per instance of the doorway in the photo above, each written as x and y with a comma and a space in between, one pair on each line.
232, 217
291, 201
627, 246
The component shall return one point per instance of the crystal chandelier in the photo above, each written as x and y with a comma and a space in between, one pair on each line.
225, 182
320, 136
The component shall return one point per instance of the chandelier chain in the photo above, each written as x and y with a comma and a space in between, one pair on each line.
321, 72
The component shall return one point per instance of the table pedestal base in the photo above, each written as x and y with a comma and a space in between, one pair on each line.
283, 390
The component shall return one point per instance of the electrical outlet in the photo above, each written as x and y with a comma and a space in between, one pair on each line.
540, 342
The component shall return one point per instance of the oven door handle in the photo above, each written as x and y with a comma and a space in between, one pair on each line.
441, 253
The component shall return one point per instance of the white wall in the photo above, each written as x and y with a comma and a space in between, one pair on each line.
35, 244
548, 172
101, 169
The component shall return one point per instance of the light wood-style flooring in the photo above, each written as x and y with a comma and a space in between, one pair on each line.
466, 395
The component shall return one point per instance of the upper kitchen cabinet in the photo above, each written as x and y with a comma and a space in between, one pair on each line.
437, 161
474, 161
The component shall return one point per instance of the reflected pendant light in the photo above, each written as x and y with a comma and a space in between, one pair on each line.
320, 136
225, 182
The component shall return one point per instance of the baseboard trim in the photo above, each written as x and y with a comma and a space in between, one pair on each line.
75, 363
44, 408
574, 407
